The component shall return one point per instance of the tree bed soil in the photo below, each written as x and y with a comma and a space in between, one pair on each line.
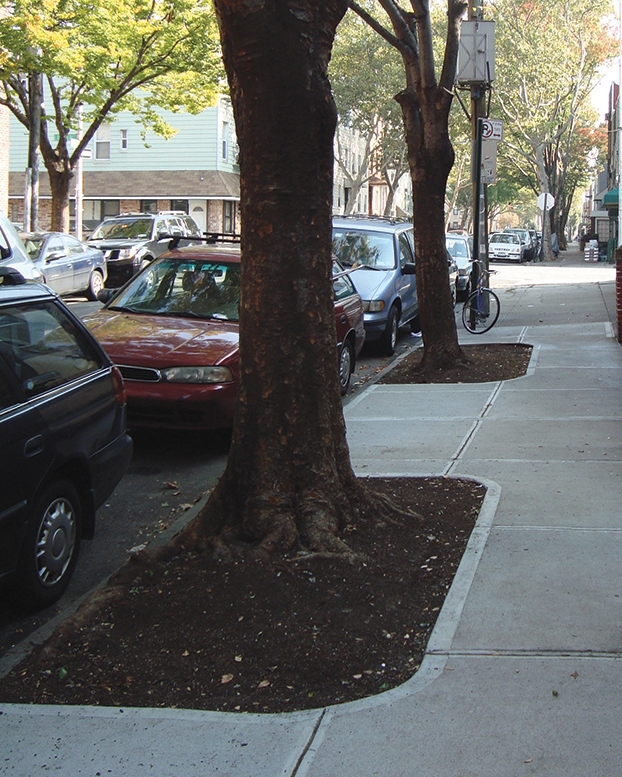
488, 362
294, 633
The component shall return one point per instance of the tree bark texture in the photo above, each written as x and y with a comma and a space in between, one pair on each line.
288, 479
425, 105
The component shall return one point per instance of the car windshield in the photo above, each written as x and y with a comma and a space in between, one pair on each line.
129, 229
505, 237
196, 288
457, 248
34, 246
364, 249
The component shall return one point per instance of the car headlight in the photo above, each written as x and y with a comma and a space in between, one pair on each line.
464, 271
198, 375
127, 253
373, 305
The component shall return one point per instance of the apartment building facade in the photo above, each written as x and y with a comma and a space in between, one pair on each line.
195, 171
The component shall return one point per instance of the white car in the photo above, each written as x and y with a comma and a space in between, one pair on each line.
460, 249
505, 245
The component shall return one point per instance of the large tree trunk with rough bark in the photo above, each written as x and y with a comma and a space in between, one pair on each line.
431, 157
288, 480
425, 104
61, 177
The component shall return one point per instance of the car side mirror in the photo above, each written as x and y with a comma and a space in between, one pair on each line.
408, 268
105, 294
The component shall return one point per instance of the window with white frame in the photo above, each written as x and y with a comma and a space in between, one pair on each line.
123, 139
225, 140
102, 142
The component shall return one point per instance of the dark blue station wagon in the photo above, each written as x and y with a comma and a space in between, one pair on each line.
64, 442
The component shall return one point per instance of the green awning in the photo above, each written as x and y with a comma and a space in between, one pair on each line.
610, 200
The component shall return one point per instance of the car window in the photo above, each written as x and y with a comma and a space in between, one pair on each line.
184, 287
364, 249
74, 245
343, 287
55, 244
174, 227
131, 229
406, 254
6, 396
191, 227
34, 246
457, 248
43, 347
5, 246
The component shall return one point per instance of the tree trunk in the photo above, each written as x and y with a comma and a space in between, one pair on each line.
288, 479
431, 156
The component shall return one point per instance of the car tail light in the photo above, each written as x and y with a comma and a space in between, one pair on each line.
118, 386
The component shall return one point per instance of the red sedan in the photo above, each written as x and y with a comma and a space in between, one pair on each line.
173, 333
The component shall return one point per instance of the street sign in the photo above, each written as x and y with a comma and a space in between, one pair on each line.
546, 201
492, 129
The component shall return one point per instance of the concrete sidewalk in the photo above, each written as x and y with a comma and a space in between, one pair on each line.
523, 671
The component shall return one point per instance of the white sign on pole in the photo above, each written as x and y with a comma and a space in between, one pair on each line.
489, 161
546, 201
492, 129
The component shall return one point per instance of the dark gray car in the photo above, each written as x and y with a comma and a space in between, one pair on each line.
132, 240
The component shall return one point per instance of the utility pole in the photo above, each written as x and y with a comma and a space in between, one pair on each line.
31, 200
478, 111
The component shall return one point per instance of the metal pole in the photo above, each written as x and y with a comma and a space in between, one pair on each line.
35, 99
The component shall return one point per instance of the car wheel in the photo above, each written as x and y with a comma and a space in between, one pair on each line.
50, 549
462, 295
388, 340
96, 284
346, 366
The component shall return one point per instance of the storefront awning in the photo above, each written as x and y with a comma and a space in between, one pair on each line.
610, 200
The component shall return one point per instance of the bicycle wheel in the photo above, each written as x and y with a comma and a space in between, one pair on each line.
481, 311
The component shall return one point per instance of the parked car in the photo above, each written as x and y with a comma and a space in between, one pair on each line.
459, 248
13, 252
64, 443
68, 265
173, 332
381, 254
505, 245
526, 240
132, 240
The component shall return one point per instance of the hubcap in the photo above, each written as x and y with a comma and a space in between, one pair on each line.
345, 366
56, 542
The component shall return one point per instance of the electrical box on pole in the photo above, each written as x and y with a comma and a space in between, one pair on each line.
476, 55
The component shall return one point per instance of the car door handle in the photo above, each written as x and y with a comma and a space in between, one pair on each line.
34, 446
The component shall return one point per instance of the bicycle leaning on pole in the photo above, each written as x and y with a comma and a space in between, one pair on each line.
482, 307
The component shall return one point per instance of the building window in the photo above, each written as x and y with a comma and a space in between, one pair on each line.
149, 206
102, 142
181, 205
110, 208
228, 216
123, 139
225, 140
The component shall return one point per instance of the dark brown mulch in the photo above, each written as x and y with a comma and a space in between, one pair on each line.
192, 632
489, 362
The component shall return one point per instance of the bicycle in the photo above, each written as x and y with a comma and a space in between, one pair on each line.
482, 307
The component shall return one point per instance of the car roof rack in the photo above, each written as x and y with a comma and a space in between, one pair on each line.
11, 277
211, 238
368, 217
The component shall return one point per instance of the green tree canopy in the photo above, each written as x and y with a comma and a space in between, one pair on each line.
104, 57
547, 65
